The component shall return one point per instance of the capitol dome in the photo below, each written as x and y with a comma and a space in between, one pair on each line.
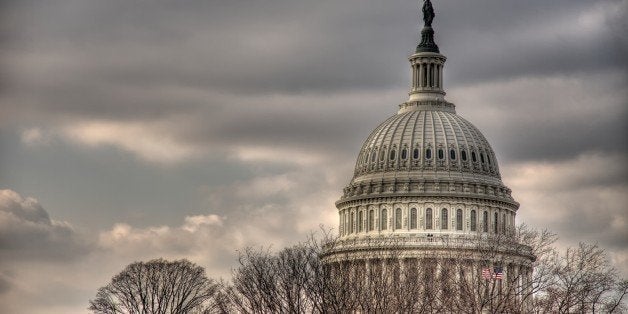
427, 195
425, 171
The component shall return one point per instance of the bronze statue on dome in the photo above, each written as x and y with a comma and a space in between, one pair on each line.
428, 13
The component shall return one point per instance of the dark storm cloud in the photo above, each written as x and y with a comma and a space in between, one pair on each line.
550, 118
243, 47
102, 58
161, 60
496, 40
217, 66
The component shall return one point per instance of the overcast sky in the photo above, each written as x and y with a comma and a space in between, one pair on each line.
136, 129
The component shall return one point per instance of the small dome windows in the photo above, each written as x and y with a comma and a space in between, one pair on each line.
473, 157
482, 157
488, 158
463, 154
384, 219
443, 221
441, 154
381, 156
413, 216
428, 153
452, 154
373, 156
398, 218
415, 154
459, 219
404, 154
393, 154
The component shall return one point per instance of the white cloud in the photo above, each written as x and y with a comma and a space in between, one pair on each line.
149, 141
202, 238
277, 154
194, 223
583, 171
47, 260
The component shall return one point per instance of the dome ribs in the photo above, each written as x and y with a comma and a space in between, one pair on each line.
425, 129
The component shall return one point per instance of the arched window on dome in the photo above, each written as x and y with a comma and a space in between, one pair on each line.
485, 221
458, 219
404, 154
463, 154
382, 156
415, 154
384, 219
474, 157
428, 219
443, 219
398, 218
504, 223
482, 157
413, 218
495, 222
488, 158
441, 154
351, 222
371, 220
452, 154
474, 220
373, 156
428, 153
360, 221
393, 154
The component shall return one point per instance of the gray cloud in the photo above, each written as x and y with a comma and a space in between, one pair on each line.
549, 118
27, 232
88, 58
5, 283
245, 72
582, 200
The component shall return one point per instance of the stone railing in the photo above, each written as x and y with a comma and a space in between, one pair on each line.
494, 244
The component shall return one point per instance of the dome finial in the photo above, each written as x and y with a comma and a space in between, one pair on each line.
427, 33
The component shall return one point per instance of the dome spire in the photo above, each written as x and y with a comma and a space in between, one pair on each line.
427, 43
427, 69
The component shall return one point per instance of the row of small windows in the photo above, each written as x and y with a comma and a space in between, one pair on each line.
428, 155
497, 226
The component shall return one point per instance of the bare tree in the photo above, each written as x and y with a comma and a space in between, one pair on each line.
300, 279
583, 282
274, 283
158, 286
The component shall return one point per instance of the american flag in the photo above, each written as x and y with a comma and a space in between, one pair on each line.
497, 273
